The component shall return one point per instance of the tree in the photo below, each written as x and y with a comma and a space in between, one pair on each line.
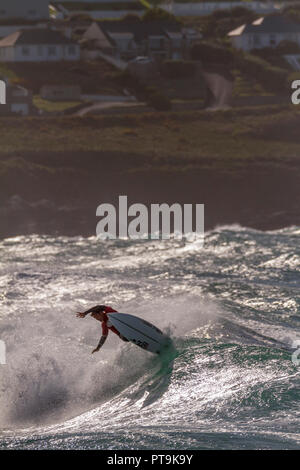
158, 14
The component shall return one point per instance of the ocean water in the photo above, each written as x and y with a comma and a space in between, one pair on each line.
231, 307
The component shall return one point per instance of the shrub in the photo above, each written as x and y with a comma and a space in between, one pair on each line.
159, 101
131, 17
178, 69
218, 14
220, 22
272, 56
80, 17
133, 83
287, 47
292, 12
210, 53
272, 78
158, 14
291, 78
148, 93
294, 76
237, 12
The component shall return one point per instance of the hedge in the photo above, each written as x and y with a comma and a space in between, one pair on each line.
272, 78
159, 101
178, 69
210, 53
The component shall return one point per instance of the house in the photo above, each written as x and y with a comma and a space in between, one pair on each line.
96, 38
18, 101
130, 39
97, 9
25, 9
38, 45
267, 31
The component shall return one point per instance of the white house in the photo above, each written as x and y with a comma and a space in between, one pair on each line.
129, 39
25, 9
267, 31
38, 45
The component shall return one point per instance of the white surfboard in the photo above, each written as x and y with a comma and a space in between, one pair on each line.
140, 332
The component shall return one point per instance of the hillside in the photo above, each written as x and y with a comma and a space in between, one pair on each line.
92, 76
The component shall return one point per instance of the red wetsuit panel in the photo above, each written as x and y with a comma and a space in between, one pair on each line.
110, 310
105, 328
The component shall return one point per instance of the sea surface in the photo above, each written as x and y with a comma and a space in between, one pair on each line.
232, 308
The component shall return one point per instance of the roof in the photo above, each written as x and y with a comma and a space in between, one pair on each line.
35, 36
140, 29
268, 24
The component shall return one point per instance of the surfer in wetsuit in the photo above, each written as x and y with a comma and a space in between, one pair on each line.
99, 312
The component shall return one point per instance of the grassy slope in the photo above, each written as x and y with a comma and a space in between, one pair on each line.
53, 106
232, 135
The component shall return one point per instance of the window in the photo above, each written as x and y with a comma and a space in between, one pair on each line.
52, 50
156, 42
292, 37
71, 50
256, 40
40, 50
31, 12
272, 40
25, 51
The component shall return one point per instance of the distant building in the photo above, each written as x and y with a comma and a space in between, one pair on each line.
18, 101
97, 9
38, 45
267, 31
130, 39
25, 9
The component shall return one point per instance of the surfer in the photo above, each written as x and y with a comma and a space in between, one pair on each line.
99, 312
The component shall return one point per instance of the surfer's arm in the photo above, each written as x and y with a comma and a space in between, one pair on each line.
103, 337
100, 344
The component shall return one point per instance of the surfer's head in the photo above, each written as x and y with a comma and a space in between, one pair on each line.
96, 309
98, 316
97, 312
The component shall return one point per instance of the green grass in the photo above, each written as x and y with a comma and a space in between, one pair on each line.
233, 135
244, 86
146, 3
7, 72
53, 106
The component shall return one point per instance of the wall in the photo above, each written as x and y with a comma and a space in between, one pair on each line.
247, 42
35, 56
7, 54
24, 9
